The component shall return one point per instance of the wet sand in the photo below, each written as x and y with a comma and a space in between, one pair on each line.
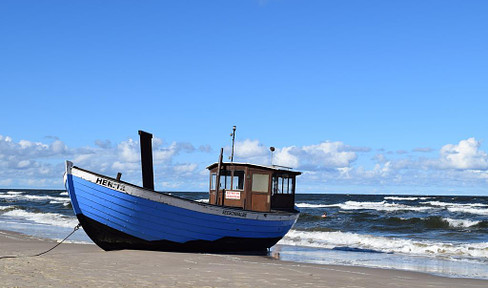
82, 265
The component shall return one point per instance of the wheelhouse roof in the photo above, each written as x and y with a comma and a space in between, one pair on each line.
263, 167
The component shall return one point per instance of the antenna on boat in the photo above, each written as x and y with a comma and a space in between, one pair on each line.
272, 149
233, 143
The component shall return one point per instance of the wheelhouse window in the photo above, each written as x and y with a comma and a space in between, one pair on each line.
260, 182
282, 184
225, 180
213, 181
228, 180
238, 180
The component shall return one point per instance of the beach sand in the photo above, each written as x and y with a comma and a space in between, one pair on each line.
83, 265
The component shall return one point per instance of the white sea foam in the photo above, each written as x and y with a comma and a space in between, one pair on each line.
401, 198
308, 205
65, 203
471, 208
331, 240
44, 197
378, 206
20, 197
475, 211
14, 192
3, 208
461, 222
203, 200
54, 219
456, 223
447, 204
63, 193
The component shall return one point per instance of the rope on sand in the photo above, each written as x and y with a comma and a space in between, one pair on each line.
42, 253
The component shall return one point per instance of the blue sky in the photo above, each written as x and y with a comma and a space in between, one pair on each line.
362, 96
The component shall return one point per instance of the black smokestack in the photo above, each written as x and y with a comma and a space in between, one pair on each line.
146, 160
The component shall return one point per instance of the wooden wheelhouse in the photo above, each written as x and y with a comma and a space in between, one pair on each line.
252, 187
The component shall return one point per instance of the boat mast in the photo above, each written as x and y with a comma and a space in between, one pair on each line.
233, 143
217, 178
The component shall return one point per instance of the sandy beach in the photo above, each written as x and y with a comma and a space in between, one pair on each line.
82, 265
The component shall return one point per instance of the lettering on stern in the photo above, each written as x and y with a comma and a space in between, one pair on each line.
234, 213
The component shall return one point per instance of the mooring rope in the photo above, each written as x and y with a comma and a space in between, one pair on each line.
42, 253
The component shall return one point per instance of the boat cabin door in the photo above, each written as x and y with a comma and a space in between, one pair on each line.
283, 192
260, 191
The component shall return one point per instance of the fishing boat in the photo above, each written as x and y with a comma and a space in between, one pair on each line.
250, 208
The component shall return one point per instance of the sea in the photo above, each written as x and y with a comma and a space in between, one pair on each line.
440, 235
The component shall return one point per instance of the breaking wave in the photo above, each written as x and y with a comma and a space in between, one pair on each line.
378, 206
6, 208
54, 219
308, 205
471, 208
405, 198
474, 211
19, 196
436, 222
332, 240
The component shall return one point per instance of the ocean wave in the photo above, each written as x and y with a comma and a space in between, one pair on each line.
331, 240
54, 219
447, 204
308, 205
65, 203
470, 208
14, 192
462, 222
475, 211
435, 222
6, 208
205, 200
405, 198
24, 197
378, 206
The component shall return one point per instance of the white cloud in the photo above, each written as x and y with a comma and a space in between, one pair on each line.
24, 164
33, 163
250, 149
464, 155
43, 163
125, 166
285, 157
58, 147
463, 164
129, 151
328, 155
185, 168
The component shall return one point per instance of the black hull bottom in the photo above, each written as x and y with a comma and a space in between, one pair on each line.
108, 239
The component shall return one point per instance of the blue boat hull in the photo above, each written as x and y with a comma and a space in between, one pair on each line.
109, 239
117, 215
